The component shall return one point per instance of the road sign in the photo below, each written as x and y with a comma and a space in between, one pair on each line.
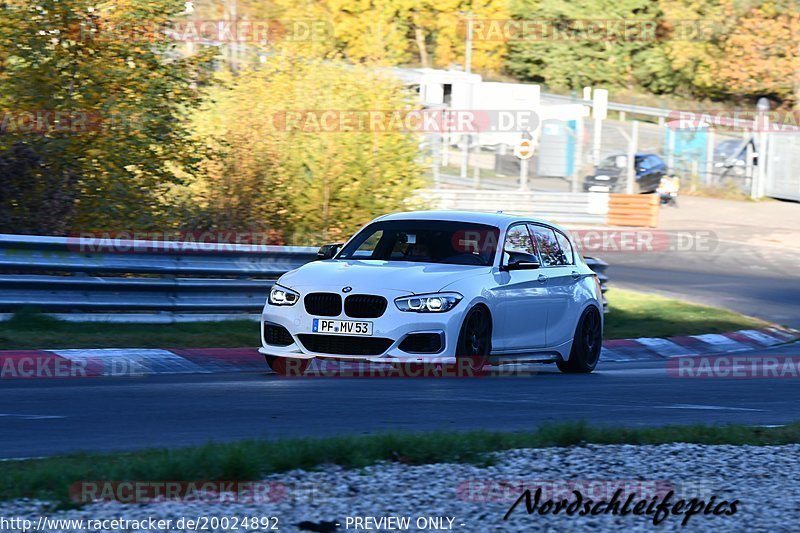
524, 149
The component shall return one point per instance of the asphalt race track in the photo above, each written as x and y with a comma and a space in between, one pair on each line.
774, 299
750, 267
45, 417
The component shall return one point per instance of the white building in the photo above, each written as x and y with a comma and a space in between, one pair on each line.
553, 127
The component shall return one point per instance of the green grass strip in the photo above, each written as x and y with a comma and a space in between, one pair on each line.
50, 478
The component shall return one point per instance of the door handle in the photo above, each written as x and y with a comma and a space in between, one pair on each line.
542, 278
576, 275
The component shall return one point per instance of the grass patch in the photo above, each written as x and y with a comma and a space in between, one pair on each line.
632, 314
635, 314
725, 192
29, 330
251, 460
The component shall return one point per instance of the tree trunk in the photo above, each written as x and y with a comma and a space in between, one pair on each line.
419, 36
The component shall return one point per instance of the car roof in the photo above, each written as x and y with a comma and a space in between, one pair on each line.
498, 219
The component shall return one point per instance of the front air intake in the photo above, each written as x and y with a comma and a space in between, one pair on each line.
344, 345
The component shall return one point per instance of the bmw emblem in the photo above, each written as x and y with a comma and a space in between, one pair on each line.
347, 289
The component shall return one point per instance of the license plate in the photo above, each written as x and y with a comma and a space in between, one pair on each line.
342, 327
599, 188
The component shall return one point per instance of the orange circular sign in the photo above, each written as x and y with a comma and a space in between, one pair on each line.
524, 150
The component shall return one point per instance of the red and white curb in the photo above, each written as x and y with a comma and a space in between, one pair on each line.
127, 362
147, 361
624, 350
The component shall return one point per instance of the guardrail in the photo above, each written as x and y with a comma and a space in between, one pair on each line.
614, 106
637, 210
508, 183
128, 279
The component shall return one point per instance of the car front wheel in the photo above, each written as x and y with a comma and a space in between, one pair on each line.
586, 344
475, 340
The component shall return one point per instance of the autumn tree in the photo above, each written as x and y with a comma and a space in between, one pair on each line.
428, 33
761, 56
290, 157
110, 100
731, 50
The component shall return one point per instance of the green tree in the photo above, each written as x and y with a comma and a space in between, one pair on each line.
111, 73
282, 165
567, 52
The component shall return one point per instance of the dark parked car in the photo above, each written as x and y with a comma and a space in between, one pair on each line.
730, 157
611, 174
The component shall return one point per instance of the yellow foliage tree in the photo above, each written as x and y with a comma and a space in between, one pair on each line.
393, 32
276, 167
763, 55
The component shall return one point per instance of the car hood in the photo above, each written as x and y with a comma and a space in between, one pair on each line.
363, 276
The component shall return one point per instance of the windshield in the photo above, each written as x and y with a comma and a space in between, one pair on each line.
609, 163
728, 148
616, 162
424, 241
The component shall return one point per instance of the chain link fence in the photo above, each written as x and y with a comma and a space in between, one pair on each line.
566, 152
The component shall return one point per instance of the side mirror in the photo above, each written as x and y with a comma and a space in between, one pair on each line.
327, 251
520, 261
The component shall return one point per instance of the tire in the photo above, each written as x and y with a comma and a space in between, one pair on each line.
474, 340
586, 344
287, 366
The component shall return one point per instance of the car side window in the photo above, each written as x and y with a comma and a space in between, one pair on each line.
518, 240
549, 250
566, 249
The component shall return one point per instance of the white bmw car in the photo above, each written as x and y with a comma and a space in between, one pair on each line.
421, 286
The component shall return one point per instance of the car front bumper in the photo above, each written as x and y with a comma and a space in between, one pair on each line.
394, 325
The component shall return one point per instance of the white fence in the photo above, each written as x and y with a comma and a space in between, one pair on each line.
584, 208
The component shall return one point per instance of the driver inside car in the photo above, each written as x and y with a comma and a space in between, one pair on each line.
419, 252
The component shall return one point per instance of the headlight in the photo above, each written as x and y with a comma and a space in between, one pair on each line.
282, 296
429, 303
